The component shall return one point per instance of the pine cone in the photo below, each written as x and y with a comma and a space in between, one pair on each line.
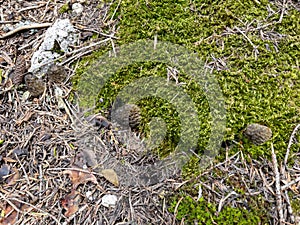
34, 85
128, 115
134, 118
19, 71
258, 134
56, 74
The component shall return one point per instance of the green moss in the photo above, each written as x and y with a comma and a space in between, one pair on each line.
295, 203
202, 212
1, 72
65, 8
255, 90
262, 89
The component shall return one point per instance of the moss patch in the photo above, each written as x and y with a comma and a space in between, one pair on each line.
259, 75
262, 90
202, 212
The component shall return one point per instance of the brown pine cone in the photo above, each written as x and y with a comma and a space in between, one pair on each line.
127, 115
19, 71
134, 118
258, 134
57, 74
34, 85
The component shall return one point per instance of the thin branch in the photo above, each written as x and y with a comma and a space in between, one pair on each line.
284, 187
277, 185
290, 144
25, 27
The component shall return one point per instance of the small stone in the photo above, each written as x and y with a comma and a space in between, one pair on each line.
258, 134
63, 33
89, 195
109, 201
77, 8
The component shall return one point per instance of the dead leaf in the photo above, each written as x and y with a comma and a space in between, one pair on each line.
101, 122
25, 118
79, 177
20, 152
10, 216
70, 203
9, 160
111, 176
12, 179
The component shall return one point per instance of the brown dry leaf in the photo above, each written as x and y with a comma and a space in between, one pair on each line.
70, 203
9, 160
10, 216
79, 177
12, 179
111, 176
25, 118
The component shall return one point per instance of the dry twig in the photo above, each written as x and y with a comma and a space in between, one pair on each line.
25, 27
278, 188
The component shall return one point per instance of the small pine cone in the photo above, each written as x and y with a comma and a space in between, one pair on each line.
100, 121
258, 134
56, 74
134, 118
128, 115
19, 71
34, 85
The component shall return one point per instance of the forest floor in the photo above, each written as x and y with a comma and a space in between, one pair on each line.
63, 164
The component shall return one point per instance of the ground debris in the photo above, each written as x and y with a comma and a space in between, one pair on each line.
55, 163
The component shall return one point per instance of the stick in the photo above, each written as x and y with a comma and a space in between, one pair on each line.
176, 210
36, 208
277, 185
25, 27
248, 39
290, 209
290, 144
284, 187
224, 199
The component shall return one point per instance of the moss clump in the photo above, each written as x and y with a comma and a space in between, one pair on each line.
262, 90
295, 203
202, 212
65, 8
258, 89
